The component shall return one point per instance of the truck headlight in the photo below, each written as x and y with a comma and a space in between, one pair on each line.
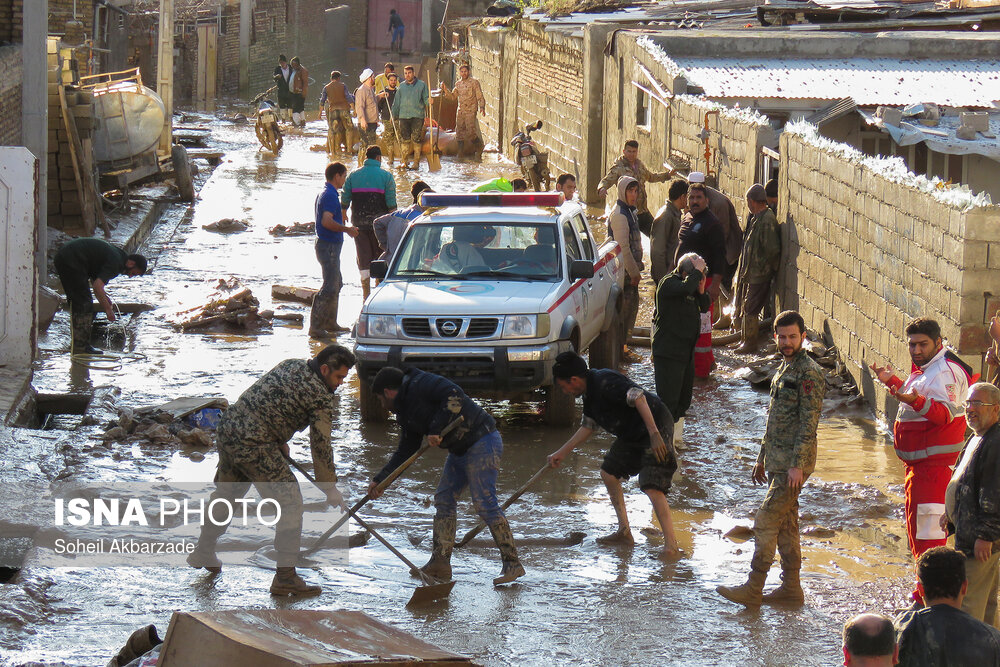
377, 326
526, 326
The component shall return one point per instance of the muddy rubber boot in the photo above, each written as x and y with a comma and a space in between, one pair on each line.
416, 155
512, 568
286, 582
366, 288
405, 148
751, 332
390, 153
461, 149
679, 435
82, 325
749, 594
439, 565
204, 556
789, 592
318, 317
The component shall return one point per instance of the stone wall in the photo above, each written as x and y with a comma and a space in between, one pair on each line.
11, 20
864, 253
10, 95
675, 122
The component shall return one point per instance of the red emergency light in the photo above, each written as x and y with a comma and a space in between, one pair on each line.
436, 200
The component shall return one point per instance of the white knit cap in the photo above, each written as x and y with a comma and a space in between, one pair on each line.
367, 74
696, 177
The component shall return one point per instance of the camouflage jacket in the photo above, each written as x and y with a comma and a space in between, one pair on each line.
285, 400
761, 248
797, 392
639, 172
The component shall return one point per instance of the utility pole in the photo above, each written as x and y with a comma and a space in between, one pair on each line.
246, 15
165, 74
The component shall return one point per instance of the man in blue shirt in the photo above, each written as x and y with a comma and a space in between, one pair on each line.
330, 229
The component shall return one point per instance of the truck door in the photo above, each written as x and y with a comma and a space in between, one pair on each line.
580, 296
597, 287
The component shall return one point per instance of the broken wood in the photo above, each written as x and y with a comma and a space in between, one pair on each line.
212, 319
290, 293
75, 151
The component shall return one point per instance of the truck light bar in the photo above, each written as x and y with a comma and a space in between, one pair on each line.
434, 200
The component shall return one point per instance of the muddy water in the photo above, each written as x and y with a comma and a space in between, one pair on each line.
582, 604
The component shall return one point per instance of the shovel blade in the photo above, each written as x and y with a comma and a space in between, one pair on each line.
430, 593
433, 161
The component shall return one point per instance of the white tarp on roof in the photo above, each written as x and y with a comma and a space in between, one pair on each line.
908, 133
869, 81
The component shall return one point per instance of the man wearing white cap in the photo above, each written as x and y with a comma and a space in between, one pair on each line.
629, 164
366, 109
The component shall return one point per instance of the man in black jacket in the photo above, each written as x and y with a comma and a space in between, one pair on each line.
282, 76
973, 503
424, 405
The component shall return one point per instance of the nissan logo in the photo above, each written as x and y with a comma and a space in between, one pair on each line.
449, 327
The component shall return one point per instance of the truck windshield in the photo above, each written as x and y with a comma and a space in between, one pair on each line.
479, 251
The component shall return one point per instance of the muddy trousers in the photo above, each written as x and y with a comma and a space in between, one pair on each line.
776, 526
323, 316
925, 485
478, 470
981, 600
704, 357
674, 383
265, 468
630, 308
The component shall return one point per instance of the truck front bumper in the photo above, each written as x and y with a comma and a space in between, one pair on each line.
500, 367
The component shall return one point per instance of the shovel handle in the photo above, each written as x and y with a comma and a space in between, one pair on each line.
364, 524
517, 494
321, 540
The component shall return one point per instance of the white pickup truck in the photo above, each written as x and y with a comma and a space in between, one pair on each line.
486, 289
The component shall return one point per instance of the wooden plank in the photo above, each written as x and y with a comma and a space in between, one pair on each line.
212, 60
201, 60
74, 151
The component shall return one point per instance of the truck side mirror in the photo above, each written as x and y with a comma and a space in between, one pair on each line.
580, 268
379, 268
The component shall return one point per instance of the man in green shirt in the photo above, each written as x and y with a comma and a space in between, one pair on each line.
408, 108
81, 263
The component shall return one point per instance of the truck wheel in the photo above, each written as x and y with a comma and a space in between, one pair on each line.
560, 407
371, 408
606, 350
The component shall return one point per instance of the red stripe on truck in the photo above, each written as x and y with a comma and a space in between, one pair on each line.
597, 267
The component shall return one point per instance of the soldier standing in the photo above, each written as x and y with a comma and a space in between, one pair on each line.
253, 439
470, 99
787, 458
758, 265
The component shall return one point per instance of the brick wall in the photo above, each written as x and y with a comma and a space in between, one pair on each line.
673, 129
11, 20
486, 59
870, 253
75, 22
10, 95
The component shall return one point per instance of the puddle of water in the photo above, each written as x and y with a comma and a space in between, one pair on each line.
582, 604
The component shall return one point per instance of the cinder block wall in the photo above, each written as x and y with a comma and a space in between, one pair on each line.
486, 59
11, 20
864, 254
735, 136
10, 95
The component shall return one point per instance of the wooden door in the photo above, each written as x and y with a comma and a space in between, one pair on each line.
411, 11
208, 40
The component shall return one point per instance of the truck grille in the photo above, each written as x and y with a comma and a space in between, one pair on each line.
482, 327
417, 327
449, 327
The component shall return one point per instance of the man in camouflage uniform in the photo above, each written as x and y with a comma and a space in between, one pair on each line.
787, 458
629, 164
470, 99
253, 439
758, 265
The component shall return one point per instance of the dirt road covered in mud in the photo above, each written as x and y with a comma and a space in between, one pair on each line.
580, 604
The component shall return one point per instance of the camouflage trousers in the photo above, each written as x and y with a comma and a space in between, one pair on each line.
389, 133
777, 526
266, 469
466, 126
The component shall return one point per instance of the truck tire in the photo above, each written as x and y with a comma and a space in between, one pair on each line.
606, 350
371, 407
560, 407
182, 172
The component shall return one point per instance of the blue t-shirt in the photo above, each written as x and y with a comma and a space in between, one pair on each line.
329, 200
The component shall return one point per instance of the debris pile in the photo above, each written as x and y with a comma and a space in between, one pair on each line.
759, 373
295, 229
227, 226
157, 427
229, 307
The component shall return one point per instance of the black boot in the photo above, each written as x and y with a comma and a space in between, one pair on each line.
439, 566
512, 568
82, 324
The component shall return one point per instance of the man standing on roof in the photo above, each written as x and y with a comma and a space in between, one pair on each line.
629, 164
929, 431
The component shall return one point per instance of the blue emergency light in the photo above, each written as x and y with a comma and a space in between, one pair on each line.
436, 200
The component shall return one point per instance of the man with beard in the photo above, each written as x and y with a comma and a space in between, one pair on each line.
702, 233
787, 457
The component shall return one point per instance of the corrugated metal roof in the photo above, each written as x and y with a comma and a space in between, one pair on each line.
868, 81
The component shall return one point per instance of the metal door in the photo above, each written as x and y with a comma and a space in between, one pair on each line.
411, 11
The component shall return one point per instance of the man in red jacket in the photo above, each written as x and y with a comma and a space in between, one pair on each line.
930, 428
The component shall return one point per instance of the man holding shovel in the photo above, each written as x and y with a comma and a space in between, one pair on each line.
408, 108
425, 404
253, 439
644, 431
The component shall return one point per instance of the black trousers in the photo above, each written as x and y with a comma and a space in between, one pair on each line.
674, 383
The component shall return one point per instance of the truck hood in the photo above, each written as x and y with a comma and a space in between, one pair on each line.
461, 297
